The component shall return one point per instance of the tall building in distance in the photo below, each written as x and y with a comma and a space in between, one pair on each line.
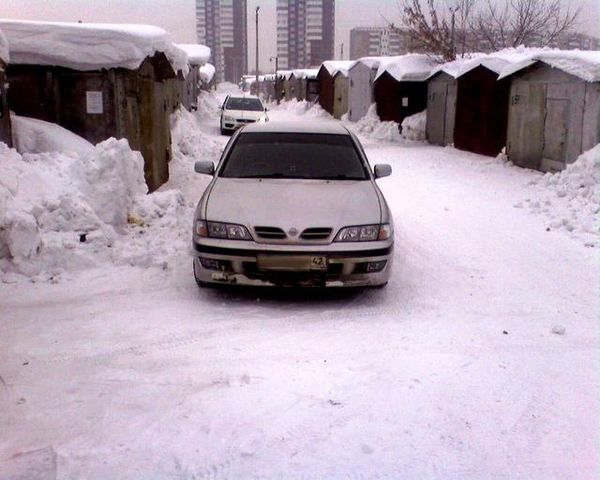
305, 32
380, 41
221, 25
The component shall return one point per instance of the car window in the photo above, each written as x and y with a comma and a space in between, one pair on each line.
294, 155
238, 103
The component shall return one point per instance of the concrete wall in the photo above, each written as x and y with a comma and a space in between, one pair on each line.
553, 117
441, 109
360, 93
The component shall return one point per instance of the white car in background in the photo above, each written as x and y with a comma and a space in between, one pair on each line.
239, 110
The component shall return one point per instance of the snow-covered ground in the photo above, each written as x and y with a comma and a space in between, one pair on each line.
479, 360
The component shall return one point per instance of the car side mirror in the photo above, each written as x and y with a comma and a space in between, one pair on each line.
381, 170
206, 168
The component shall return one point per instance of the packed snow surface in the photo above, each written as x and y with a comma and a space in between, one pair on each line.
31, 135
4, 51
197, 54
478, 361
88, 46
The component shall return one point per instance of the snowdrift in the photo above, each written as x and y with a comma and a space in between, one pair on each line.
370, 126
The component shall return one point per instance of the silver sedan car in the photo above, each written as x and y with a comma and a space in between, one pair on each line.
293, 204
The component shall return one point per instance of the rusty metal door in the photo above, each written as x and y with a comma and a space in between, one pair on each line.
555, 132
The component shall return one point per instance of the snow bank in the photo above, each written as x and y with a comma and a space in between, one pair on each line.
197, 54
88, 46
413, 127
37, 136
4, 55
571, 199
338, 66
301, 108
63, 210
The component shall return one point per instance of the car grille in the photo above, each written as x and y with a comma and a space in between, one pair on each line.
316, 233
270, 233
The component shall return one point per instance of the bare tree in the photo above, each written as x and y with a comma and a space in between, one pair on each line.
439, 27
523, 22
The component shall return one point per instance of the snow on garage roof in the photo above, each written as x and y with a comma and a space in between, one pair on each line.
411, 67
197, 54
88, 46
207, 72
371, 62
581, 64
498, 61
3, 48
334, 67
306, 73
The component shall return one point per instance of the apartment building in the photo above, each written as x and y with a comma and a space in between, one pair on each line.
222, 26
305, 32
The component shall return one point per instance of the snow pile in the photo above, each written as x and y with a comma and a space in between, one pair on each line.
197, 54
209, 105
414, 127
62, 210
207, 72
371, 126
571, 199
37, 136
582, 64
88, 46
301, 108
410, 67
4, 55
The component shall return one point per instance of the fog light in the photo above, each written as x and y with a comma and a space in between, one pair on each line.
210, 263
376, 266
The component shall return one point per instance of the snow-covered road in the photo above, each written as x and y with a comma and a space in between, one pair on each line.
453, 371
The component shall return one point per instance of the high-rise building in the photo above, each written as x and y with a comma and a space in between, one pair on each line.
305, 32
380, 41
221, 25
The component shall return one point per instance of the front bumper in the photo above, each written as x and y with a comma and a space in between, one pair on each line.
235, 124
345, 266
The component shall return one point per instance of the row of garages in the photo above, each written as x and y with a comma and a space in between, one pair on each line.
543, 106
101, 81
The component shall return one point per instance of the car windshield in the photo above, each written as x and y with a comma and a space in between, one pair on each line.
294, 155
241, 103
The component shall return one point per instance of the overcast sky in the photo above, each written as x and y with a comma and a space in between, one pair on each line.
178, 17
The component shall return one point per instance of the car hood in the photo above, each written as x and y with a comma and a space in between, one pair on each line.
244, 114
291, 203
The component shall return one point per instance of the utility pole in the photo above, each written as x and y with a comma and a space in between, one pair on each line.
342, 51
257, 9
276, 77
453, 11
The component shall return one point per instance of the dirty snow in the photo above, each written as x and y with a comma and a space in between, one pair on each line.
479, 360
88, 46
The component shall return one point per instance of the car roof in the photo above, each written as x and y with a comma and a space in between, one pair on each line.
243, 95
319, 126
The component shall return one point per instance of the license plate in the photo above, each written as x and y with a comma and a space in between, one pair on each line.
292, 262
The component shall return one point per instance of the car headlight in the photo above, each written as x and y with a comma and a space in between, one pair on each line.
364, 233
262, 119
229, 231
228, 118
